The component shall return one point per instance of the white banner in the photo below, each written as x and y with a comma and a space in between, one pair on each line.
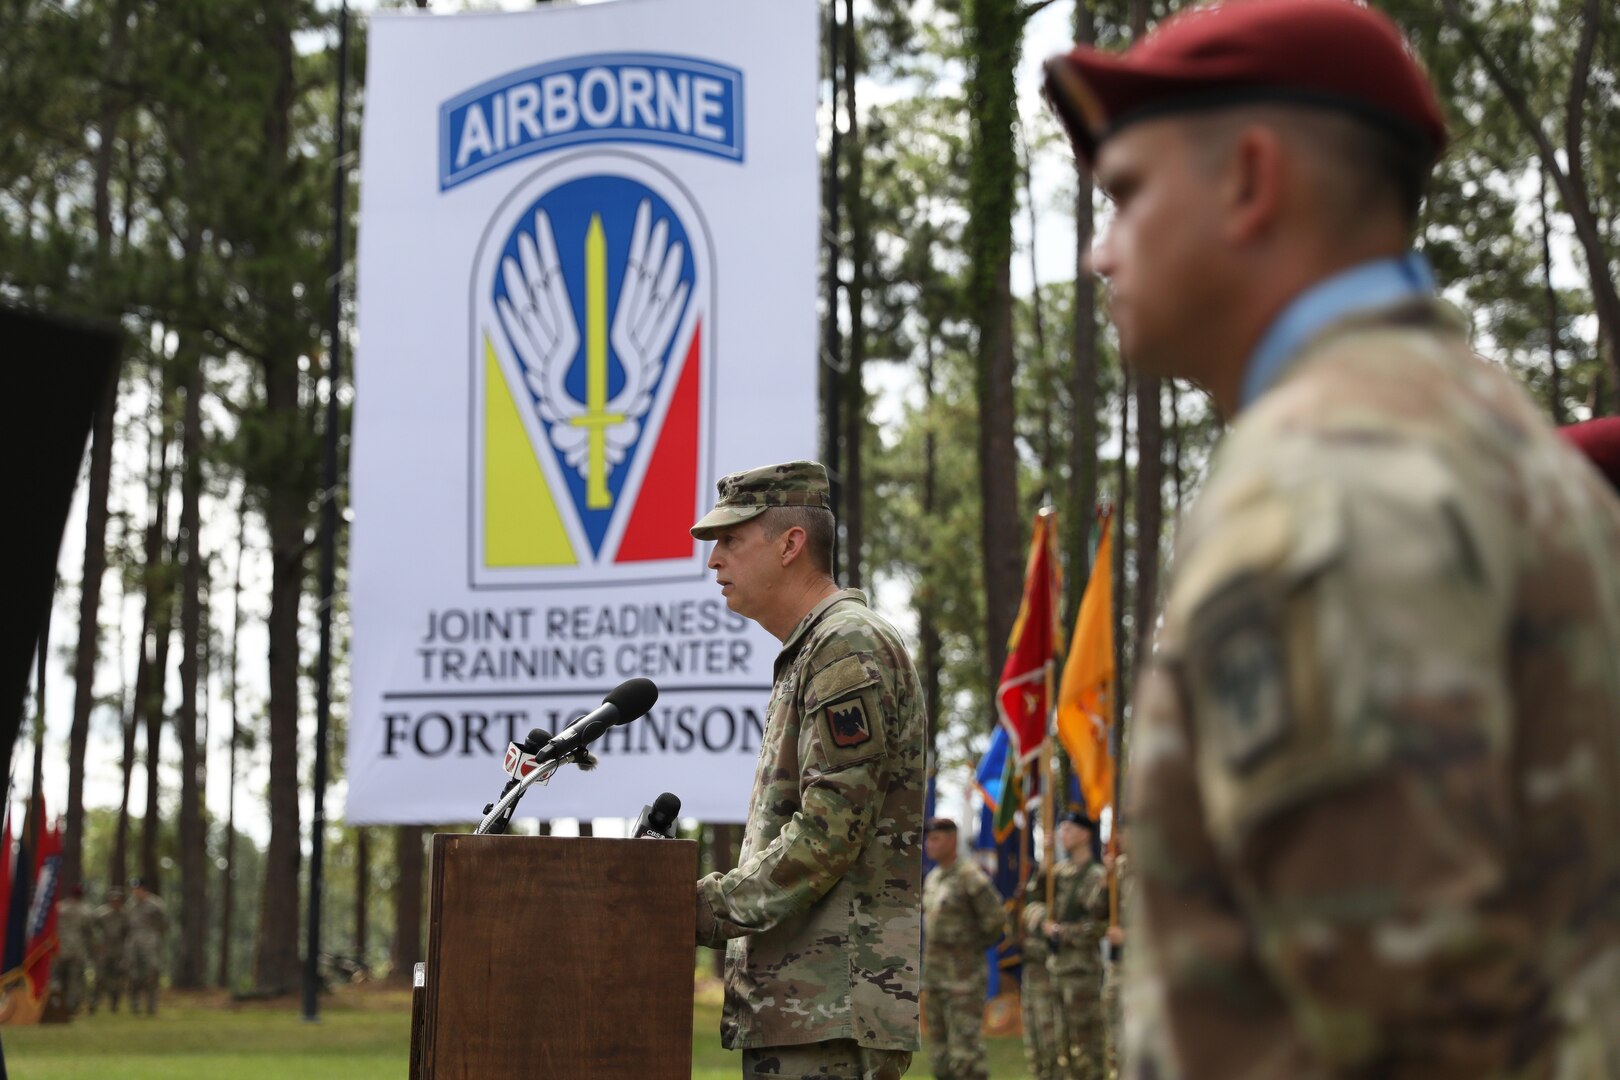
587, 290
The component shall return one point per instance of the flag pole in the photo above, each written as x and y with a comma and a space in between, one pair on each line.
1048, 808
1106, 512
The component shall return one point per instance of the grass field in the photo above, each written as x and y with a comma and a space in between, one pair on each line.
363, 1034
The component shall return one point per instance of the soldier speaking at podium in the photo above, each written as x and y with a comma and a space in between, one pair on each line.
822, 916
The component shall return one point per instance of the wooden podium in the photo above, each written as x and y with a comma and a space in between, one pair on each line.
558, 957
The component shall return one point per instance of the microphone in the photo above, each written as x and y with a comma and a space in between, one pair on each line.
658, 820
519, 760
628, 701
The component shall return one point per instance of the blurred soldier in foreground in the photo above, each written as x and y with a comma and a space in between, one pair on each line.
1074, 930
1037, 997
1376, 755
73, 938
110, 928
821, 918
148, 923
962, 917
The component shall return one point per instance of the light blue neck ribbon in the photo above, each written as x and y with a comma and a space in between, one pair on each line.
1376, 284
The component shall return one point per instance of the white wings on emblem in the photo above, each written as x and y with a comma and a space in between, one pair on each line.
539, 320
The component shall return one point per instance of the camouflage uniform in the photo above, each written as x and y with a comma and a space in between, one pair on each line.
822, 916
1376, 797
962, 917
1080, 908
1114, 973
108, 940
1037, 996
148, 920
73, 937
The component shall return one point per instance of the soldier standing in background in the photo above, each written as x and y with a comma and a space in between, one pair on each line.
148, 923
821, 918
1375, 791
73, 948
108, 939
962, 917
1035, 991
1074, 931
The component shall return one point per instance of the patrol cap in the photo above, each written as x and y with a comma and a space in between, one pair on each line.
1330, 53
745, 495
939, 824
1075, 817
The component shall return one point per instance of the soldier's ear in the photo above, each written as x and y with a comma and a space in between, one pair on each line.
793, 540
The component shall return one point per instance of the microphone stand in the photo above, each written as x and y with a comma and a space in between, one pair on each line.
501, 812
508, 802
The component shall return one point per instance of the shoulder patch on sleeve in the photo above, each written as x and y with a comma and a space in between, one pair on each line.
844, 697
1238, 670
848, 724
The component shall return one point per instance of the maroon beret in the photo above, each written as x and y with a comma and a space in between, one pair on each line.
1599, 440
1329, 53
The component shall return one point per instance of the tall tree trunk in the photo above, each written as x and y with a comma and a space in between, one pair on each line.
1555, 383
1149, 508
832, 344
227, 907
362, 891
96, 514
85, 658
1083, 449
193, 926
151, 676
1048, 443
928, 632
407, 951
993, 42
287, 499
854, 405
1122, 592
156, 704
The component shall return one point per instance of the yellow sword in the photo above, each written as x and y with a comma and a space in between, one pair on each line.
596, 418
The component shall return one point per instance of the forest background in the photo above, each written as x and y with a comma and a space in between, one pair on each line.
168, 168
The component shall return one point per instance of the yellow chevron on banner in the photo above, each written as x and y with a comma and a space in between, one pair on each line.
521, 523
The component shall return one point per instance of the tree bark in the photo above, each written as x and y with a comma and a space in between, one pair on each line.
156, 704
193, 925
832, 345
1122, 592
407, 951
1083, 448
995, 33
227, 917
362, 891
1555, 384
854, 404
287, 499
929, 644
1149, 509
86, 656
